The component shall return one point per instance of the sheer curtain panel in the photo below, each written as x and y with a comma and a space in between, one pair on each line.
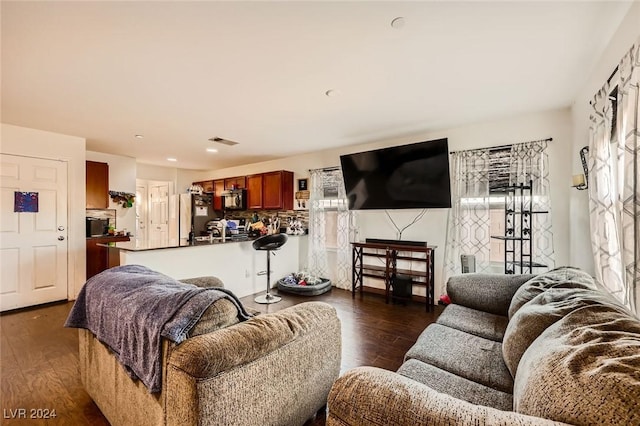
614, 192
468, 230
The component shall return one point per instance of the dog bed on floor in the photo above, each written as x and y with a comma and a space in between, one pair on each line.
305, 290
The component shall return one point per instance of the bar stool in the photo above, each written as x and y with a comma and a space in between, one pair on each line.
269, 243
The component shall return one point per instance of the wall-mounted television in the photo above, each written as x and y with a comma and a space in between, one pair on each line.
412, 176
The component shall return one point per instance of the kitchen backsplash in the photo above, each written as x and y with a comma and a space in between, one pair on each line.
283, 215
103, 214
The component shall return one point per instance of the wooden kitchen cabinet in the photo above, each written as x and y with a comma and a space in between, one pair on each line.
240, 182
277, 190
207, 186
270, 191
218, 189
98, 258
254, 191
97, 185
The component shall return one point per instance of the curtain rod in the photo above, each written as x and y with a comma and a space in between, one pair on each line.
495, 148
326, 169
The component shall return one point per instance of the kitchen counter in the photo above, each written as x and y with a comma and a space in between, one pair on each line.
236, 263
137, 245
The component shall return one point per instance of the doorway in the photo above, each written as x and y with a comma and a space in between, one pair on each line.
152, 213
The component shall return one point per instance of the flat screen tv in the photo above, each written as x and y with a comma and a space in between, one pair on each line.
412, 176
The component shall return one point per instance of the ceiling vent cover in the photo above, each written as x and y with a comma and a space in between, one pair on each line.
223, 141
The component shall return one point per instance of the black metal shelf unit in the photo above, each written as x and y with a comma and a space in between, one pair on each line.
518, 229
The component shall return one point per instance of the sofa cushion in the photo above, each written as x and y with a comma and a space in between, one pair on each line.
472, 321
538, 314
563, 277
485, 292
584, 369
456, 386
463, 354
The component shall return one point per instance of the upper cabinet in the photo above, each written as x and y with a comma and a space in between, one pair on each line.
254, 192
277, 190
239, 182
207, 186
218, 189
269, 191
97, 181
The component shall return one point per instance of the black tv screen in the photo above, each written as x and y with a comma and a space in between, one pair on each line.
401, 177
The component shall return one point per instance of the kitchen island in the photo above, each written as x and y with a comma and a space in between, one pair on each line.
236, 263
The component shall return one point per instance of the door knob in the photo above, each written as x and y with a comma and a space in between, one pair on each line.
61, 238
60, 228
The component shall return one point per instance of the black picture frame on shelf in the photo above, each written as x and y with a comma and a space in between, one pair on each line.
303, 184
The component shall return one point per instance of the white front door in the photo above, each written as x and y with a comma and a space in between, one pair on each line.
33, 245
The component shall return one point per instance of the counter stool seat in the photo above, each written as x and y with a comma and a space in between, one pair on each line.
269, 243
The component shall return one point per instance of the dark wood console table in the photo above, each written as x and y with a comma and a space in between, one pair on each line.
389, 254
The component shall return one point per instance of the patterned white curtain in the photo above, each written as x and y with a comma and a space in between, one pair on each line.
614, 191
530, 163
469, 221
330, 220
317, 220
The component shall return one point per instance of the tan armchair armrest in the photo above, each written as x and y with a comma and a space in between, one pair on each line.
206, 282
372, 396
209, 354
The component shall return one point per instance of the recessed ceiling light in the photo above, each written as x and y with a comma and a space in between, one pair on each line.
397, 23
172, 159
332, 93
212, 150
139, 136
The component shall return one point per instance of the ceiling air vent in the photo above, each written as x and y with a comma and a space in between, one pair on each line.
223, 141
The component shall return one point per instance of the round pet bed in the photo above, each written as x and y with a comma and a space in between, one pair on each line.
305, 290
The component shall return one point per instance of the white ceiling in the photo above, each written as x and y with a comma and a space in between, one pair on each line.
257, 72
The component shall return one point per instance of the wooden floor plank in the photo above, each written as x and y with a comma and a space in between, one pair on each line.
39, 358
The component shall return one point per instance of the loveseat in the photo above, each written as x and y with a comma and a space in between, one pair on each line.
510, 350
272, 369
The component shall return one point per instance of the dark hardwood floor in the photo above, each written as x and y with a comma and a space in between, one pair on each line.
39, 357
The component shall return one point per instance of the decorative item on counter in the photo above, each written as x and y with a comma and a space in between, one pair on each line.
274, 226
295, 227
125, 198
302, 199
195, 189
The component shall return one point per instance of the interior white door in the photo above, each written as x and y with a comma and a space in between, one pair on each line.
142, 201
33, 245
159, 215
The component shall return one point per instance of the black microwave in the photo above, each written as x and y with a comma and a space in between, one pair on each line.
97, 227
235, 199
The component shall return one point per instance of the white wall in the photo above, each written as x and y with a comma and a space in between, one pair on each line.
157, 173
122, 178
628, 33
432, 227
36, 143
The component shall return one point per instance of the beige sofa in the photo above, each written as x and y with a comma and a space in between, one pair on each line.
510, 350
273, 369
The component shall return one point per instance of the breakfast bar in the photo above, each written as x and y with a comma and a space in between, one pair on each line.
236, 263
